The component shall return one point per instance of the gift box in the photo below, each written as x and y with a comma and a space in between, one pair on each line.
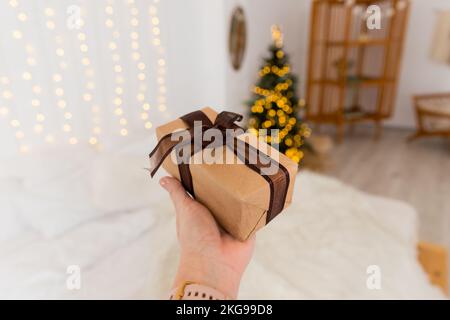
247, 185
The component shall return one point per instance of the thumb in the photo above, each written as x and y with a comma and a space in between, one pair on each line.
176, 191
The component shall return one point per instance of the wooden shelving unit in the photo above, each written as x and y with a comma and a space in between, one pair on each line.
353, 70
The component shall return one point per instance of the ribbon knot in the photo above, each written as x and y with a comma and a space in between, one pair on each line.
226, 120
278, 181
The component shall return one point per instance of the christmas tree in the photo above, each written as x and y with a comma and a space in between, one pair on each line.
275, 105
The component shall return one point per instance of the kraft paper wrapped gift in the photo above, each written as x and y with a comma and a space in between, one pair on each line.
241, 199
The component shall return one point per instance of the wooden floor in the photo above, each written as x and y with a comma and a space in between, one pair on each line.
418, 173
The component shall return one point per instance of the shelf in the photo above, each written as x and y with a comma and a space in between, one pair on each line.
356, 43
345, 117
354, 116
365, 81
353, 43
342, 3
340, 49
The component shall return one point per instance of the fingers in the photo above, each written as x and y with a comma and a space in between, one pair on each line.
176, 191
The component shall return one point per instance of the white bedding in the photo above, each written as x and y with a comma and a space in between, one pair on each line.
319, 248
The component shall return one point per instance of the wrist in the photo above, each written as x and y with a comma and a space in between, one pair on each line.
208, 272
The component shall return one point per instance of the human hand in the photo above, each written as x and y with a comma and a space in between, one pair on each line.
209, 256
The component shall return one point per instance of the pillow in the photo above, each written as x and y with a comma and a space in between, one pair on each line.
10, 224
121, 182
64, 186
55, 194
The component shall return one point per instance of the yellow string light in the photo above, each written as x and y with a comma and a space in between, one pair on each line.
156, 32
117, 67
30, 61
14, 123
58, 78
295, 154
277, 36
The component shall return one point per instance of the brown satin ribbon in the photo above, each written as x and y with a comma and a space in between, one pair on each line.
278, 182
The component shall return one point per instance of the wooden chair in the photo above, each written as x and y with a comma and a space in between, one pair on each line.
432, 115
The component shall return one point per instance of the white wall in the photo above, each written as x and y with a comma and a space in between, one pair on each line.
195, 35
197, 56
42, 44
292, 16
419, 73
199, 69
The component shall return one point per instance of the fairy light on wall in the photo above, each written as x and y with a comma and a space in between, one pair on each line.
140, 65
118, 78
58, 78
5, 113
90, 86
27, 74
161, 60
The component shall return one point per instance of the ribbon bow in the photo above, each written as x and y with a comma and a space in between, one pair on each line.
278, 182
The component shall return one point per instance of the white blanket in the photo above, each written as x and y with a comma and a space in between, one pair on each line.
319, 248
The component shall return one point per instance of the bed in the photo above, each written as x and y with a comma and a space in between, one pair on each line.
101, 212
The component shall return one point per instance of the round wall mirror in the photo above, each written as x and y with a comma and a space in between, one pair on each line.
237, 38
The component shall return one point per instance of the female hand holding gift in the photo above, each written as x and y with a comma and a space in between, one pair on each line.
209, 257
